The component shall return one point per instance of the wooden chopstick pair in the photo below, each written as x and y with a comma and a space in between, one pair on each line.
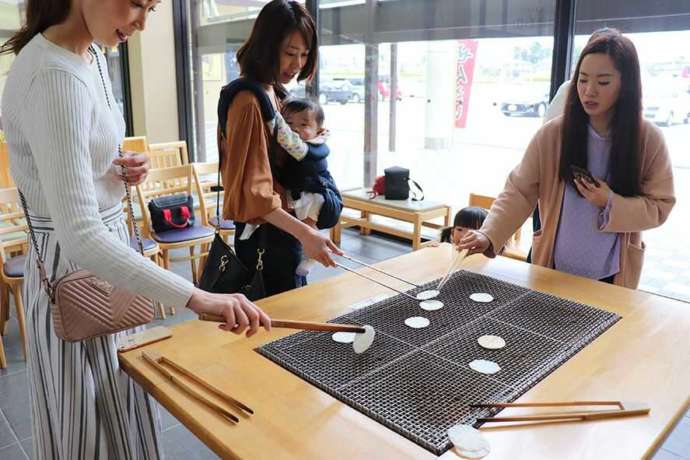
289, 324
457, 260
625, 409
376, 269
157, 361
373, 280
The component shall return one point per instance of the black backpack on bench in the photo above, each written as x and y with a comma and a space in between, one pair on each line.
397, 185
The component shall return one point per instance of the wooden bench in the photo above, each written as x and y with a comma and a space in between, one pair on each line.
418, 213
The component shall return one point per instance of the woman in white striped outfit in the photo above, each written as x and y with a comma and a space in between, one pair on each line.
63, 130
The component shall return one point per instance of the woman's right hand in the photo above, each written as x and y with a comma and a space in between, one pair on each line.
475, 242
239, 312
319, 247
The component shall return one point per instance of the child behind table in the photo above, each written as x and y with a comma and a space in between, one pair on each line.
469, 218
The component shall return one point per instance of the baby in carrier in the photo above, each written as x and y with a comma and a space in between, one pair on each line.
307, 177
313, 195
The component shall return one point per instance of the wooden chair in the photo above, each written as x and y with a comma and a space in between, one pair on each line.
160, 156
5, 177
206, 177
164, 158
135, 144
171, 149
172, 181
13, 249
512, 248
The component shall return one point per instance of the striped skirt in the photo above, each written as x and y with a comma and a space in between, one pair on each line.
83, 405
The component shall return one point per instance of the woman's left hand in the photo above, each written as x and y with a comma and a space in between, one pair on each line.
598, 194
137, 166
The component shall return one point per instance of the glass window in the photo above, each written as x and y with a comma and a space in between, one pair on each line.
11, 18
218, 30
11, 14
214, 11
117, 70
660, 32
341, 94
421, 84
446, 77
454, 90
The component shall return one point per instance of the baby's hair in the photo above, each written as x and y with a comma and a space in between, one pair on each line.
300, 105
470, 217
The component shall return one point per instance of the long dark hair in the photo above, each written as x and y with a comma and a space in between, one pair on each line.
40, 14
625, 124
259, 56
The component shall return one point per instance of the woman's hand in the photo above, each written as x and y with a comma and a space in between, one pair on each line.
319, 247
475, 242
597, 194
240, 314
136, 166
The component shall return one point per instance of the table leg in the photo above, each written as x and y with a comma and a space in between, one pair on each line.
365, 230
446, 219
417, 235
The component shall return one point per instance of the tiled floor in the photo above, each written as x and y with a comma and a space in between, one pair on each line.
178, 443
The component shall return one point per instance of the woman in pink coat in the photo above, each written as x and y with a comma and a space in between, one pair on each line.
590, 226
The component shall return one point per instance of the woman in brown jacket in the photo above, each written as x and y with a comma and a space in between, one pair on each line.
591, 221
283, 44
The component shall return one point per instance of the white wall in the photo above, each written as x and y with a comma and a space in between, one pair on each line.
152, 78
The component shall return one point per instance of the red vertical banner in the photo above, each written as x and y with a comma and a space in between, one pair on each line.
467, 55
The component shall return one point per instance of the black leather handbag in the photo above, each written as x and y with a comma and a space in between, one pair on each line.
224, 272
171, 212
397, 185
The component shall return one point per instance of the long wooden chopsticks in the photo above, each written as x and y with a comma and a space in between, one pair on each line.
551, 404
374, 280
457, 260
289, 324
222, 395
359, 262
154, 360
624, 410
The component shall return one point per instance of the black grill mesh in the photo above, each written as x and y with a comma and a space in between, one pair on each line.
418, 382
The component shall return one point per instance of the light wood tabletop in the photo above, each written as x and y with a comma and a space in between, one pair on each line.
644, 357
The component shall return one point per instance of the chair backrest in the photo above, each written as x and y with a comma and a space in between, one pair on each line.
164, 182
206, 176
483, 201
5, 177
169, 154
13, 227
135, 144
164, 158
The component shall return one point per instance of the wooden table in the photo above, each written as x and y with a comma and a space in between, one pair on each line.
643, 357
418, 213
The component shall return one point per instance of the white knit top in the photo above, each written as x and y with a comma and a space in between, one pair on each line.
62, 139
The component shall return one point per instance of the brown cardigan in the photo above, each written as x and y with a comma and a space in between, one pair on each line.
535, 181
250, 191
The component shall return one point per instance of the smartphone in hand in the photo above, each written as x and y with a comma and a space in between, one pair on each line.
582, 173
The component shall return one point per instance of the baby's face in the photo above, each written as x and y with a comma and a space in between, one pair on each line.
304, 123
